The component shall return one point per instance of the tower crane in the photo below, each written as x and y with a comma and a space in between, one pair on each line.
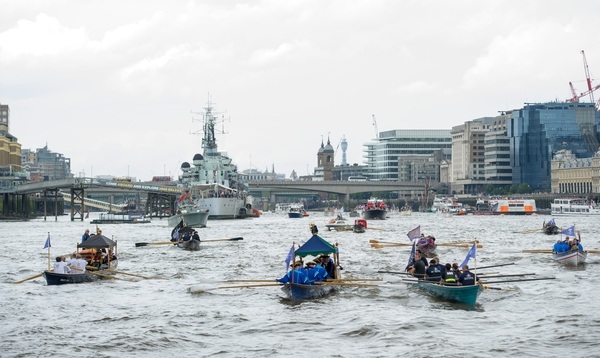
375, 125
590, 88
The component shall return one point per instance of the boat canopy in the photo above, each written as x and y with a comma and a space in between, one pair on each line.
97, 242
315, 246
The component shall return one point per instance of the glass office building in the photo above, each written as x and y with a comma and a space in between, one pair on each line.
382, 156
538, 131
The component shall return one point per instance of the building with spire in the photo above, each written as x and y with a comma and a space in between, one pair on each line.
325, 162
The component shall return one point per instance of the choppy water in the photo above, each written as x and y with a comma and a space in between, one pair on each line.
160, 316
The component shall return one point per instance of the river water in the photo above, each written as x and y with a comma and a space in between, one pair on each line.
180, 311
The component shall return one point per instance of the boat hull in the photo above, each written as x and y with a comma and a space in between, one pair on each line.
298, 292
460, 294
576, 207
53, 278
295, 215
190, 245
374, 214
570, 258
223, 208
196, 219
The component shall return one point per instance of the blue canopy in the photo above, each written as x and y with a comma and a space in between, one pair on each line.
315, 246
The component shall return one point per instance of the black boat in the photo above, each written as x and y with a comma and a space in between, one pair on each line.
53, 278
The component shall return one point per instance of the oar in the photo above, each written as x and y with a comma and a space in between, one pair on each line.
346, 284
257, 285
525, 279
127, 273
458, 244
29, 278
593, 251
484, 276
224, 239
106, 276
373, 241
499, 288
138, 244
354, 279
492, 266
538, 251
271, 280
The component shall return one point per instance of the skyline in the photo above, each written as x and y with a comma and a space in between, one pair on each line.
112, 86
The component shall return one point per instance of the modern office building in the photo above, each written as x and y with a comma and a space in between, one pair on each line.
538, 131
383, 156
497, 152
50, 165
468, 155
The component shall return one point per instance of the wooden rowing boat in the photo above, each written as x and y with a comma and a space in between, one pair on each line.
190, 245
460, 294
570, 258
53, 278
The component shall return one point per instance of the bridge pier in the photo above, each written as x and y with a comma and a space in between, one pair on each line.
77, 196
159, 205
45, 203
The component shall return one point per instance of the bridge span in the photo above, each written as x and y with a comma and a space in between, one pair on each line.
270, 188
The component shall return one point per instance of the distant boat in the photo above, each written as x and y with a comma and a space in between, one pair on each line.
191, 216
109, 218
211, 180
296, 211
374, 209
574, 206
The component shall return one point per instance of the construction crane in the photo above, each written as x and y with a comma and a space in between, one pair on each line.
375, 125
590, 88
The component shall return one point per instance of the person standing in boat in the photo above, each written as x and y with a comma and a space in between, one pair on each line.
85, 236
329, 265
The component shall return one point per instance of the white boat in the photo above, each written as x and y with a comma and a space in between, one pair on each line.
570, 258
513, 207
191, 216
296, 211
445, 205
211, 179
574, 206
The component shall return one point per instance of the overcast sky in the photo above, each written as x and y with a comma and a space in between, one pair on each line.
112, 84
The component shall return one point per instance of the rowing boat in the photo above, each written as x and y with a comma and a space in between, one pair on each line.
460, 294
570, 258
301, 292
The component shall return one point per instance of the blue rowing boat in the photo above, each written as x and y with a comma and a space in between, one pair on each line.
460, 294
299, 292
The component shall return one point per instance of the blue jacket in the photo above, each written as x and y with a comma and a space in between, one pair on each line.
467, 278
298, 277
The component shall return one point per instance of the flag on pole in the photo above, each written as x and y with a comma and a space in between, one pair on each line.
569, 231
289, 257
411, 257
414, 233
47, 244
471, 254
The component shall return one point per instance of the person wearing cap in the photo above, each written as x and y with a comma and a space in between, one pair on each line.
434, 271
312, 274
295, 275
466, 278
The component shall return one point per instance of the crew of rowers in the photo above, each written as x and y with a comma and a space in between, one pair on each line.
567, 244
317, 270
434, 271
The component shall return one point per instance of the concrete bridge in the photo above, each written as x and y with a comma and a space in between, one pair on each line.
271, 188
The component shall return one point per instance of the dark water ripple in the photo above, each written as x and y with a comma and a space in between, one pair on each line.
181, 312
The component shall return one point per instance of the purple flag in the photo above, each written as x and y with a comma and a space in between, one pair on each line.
47, 244
414, 233
471, 254
569, 231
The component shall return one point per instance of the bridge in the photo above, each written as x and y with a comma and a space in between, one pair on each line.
119, 208
270, 188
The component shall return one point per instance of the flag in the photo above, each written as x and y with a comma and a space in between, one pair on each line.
569, 231
471, 254
47, 244
414, 233
289, 257
551, 222
411, 257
